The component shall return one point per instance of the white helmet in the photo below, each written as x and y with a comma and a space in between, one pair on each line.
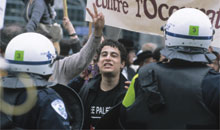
30, 52
188, 27
188, 34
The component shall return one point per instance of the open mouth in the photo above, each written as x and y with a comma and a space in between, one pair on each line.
108, 64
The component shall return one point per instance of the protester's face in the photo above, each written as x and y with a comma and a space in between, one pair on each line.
110, 61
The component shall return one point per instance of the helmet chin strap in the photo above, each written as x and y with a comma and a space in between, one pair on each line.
213, 34
208, 59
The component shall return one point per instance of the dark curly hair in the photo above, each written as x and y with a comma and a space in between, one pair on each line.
115, 44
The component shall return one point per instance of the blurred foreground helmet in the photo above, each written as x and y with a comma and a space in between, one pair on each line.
30, 52
190, 31
3, 64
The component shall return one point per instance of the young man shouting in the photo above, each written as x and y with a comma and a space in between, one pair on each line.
108, 88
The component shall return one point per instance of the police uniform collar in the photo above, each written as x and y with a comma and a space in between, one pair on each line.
188, 54
12, 80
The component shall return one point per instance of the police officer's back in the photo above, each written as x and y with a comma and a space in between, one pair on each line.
184, 92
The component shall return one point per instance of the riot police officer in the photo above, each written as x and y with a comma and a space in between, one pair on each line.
184, 92
30, 101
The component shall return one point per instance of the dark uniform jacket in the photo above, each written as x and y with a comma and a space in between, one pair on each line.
88, 93
171, 96
49, 111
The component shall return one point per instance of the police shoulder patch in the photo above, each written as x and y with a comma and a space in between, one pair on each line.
59, 107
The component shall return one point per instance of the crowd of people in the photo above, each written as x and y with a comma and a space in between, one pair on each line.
51, 82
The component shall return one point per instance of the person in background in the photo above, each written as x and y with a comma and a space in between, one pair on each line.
157, 57
107, 89
36, 12
68, 26
8, 32
128, 72
155, 49
72, 43
69, 46
149, 53
143, 57
83, 78
149, 47
40, 16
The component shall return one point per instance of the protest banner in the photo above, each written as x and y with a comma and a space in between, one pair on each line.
147, 16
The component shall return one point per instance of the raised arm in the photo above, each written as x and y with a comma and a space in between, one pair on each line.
71, 66
98, 21
68, 26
